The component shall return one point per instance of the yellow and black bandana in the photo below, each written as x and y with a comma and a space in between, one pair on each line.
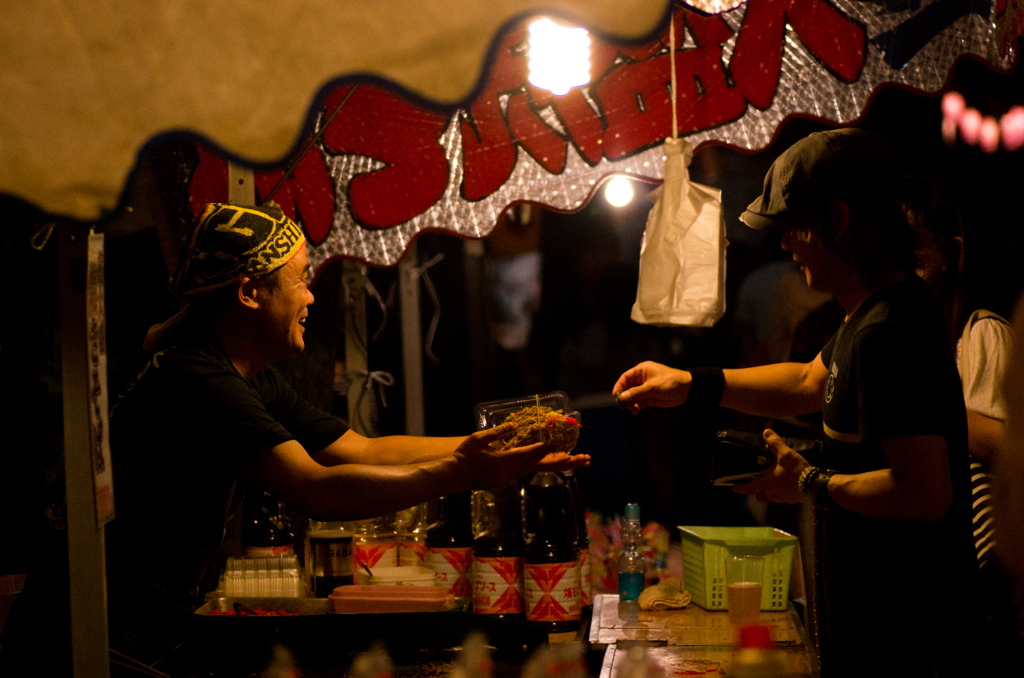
231, 241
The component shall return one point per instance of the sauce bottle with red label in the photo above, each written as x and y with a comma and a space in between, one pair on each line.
551, 558
450, 545
498, 555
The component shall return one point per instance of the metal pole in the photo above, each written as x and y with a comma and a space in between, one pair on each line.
412, 341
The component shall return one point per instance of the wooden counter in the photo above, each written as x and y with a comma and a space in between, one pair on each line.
691, 641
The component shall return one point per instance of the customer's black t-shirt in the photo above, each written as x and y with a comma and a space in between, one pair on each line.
888, 584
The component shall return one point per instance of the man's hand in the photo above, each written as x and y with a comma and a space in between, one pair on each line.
561, 461
488, 467
779, 483
651, 384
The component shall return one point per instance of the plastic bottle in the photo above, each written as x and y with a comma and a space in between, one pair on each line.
551, 561
632, 563
262, 537
328, 557
498, 556
450, 545
375, 543
756, 656
582, 539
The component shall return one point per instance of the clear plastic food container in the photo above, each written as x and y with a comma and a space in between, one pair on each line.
490, 414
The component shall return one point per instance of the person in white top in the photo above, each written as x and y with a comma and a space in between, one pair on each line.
982, 343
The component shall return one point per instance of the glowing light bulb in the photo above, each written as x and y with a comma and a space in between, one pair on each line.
953, 105
619, 191
988, 134
970, 126
559, 56
1012, 127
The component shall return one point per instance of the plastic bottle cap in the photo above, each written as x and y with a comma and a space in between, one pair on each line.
632, 512
756, 635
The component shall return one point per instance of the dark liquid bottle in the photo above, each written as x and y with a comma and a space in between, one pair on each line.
551, 568
264, 532
498, 555
582, 540
450, 545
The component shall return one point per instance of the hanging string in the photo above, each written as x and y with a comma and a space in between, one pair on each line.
380, 378
421, 272
672, 66
384, 304
316, 137
41, 236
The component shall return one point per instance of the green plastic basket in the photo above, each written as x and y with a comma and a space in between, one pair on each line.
704, 552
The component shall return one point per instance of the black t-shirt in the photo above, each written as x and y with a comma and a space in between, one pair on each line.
892, 374
182, 435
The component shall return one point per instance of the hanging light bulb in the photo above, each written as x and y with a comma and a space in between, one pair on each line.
559, 56
619, 191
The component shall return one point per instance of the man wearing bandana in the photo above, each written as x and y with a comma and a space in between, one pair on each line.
208, 412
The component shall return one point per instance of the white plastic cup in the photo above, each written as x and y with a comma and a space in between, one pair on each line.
743, 583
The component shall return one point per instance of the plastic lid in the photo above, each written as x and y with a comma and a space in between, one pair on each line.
756, 635
632, 512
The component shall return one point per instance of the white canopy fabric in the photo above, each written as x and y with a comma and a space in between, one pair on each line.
86, 83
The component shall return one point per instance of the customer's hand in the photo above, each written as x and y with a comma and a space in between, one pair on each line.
651, 384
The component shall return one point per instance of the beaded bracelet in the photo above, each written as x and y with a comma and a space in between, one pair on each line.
806, 478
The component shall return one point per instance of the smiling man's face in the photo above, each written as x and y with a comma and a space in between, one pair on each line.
285, 308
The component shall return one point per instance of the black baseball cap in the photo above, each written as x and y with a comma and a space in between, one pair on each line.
824, 166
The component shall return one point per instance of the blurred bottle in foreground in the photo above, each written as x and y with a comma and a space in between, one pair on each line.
498, 554
474, 660
557, 660
551, 562
756, 656
632, 564
372, 663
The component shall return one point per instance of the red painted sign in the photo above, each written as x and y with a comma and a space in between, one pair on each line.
415, 162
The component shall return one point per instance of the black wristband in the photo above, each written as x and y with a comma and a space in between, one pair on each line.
819, 489
706, 387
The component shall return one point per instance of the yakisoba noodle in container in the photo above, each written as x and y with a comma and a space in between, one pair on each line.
538, 423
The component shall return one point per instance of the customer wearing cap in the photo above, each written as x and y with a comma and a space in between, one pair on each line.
893, 500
